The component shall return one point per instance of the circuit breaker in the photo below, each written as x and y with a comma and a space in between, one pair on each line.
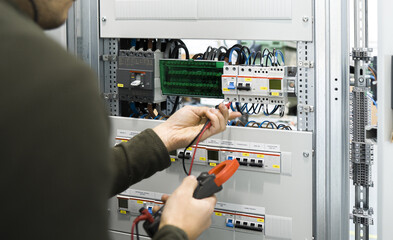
256, 84
138, 76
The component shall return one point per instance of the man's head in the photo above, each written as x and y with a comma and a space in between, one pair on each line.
48, 13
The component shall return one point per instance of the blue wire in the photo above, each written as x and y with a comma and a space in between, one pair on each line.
249, 123
282, 56
133, 42
248, 111
157, 117
245, 106
133, 108
230, 54
232, 108
271, 125
144, 115
372, 99
132, 114
260, 125
252, 56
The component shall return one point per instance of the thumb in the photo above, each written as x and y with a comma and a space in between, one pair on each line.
188, 185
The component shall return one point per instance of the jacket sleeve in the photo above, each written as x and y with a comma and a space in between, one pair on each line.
170, 232
137, 159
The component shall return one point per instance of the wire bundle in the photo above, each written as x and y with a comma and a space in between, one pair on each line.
244, 55
257, 108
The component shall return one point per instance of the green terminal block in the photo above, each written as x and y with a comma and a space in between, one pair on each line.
191, 78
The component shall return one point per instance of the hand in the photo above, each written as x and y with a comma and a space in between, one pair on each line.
182, 127
191, 215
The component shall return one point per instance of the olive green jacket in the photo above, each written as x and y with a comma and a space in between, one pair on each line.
57, 170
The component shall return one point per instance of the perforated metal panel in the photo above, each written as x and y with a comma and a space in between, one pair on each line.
305, 86
110, 83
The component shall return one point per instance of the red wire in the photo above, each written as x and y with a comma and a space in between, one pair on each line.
132, 229
208, 125
196, 146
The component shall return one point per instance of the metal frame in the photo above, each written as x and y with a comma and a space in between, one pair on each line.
331, 168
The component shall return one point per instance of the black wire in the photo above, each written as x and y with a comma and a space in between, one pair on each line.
230, 49
238, 107
198, 55
267, 58
175, 105
260, 58
175, 51
137, 231
245, 56
206, 53
189, 145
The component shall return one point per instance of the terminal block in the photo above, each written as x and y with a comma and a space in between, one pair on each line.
256, 84
191, 78
138, 76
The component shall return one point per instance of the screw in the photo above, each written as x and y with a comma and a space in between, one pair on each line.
306, 154
305, 19
361, 80
103, 19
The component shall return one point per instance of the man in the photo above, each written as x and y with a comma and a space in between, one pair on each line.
56, 168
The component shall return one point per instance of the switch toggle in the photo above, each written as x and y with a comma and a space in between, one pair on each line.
231, 86
136, 83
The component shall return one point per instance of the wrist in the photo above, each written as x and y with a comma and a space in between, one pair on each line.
165, 134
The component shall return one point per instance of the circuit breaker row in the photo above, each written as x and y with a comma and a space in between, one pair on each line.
255, 84
248, 160
230, 217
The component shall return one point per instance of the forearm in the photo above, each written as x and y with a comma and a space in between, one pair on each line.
141, 157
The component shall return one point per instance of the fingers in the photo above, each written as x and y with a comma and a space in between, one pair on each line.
188, 186
156, 208
165, 197
234, 115
213, 115
224, 111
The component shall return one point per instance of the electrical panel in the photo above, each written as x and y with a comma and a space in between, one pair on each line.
256, 84
138, 76
256, 203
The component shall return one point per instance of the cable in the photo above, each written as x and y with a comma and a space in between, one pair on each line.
189, 145
260, 125
176, 49
372, 72
260, 58
249, 123
196, 145
151, 111
175, 105
282, 56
